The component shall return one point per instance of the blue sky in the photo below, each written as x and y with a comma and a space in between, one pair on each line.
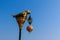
45, 14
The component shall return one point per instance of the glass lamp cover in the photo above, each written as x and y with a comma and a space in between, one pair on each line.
30, 20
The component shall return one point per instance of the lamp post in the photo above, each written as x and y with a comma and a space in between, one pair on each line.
21, 18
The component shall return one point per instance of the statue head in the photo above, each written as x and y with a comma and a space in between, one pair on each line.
28, 11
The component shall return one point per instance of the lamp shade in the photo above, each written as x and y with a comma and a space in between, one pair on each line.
29, 28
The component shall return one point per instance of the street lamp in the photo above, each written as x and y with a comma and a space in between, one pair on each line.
21, 18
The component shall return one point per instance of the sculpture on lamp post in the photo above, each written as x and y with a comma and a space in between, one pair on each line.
21, 18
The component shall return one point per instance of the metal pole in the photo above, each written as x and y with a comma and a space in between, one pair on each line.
19, 34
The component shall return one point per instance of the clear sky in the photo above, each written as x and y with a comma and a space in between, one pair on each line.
45, 14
